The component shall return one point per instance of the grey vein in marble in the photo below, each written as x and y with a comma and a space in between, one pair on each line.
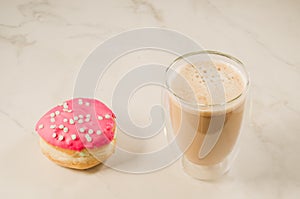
12, 119
152, 9
251, 34
20, 41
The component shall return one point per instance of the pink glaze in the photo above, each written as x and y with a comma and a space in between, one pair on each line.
70, 110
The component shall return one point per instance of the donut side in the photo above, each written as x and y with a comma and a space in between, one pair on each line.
83, 159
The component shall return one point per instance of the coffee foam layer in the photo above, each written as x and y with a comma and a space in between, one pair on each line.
207, 83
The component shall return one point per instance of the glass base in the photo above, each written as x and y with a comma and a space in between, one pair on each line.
201, 172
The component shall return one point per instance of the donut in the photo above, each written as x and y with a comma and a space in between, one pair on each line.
78, 134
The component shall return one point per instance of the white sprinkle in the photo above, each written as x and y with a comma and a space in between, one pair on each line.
65, 120
61, 126
87, 104
87, 119
98, 132
100, 117
73, 136
80, 101
54, 135
88, 115
75, 118
107, 116
52, 119
71, 121
60, 137
52, 114
80, 121
65, 110
88, 137
66, 130
69, 111
80, 116
52, 126
57, 113
90, 131
65, 105
81, 130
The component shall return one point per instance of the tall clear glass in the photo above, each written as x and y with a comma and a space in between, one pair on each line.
205, 99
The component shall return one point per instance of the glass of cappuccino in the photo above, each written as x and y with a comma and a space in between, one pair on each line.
205, 100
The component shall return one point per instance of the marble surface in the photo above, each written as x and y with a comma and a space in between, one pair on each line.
43, 44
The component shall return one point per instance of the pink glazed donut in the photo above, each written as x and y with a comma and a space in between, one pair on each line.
78, 134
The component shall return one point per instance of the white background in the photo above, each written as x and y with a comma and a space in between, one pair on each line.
44, 43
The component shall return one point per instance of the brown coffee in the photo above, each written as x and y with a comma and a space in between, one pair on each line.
208, 131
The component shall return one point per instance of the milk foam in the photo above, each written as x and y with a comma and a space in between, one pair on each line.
207, 83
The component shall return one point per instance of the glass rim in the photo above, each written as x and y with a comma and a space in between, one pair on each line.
210, 52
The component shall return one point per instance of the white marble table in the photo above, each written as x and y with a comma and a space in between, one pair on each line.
43, 44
